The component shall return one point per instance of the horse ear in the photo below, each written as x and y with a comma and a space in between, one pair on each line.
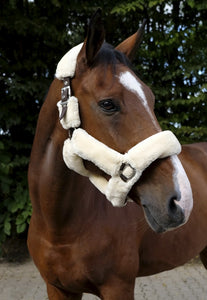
130, 45
94, 39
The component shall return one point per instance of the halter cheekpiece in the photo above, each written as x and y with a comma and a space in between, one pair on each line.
65, 96
124, 169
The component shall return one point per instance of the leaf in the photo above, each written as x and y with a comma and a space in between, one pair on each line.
21, 228
7, 227
20, 219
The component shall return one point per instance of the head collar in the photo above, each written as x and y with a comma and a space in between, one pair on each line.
124, 169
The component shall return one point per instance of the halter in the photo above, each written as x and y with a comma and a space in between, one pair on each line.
124, 169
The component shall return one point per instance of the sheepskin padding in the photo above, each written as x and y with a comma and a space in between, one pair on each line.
83, 146
67, 65
72, 116
89, 148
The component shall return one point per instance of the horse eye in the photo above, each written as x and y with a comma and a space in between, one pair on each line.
108, 105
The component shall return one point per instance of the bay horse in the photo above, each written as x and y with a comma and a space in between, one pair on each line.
105, 149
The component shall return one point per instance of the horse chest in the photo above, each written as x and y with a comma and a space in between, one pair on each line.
75, 266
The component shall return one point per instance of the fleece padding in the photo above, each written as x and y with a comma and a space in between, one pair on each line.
72, 117
67, 65
83, 146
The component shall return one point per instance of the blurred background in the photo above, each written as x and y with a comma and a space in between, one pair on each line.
34, 35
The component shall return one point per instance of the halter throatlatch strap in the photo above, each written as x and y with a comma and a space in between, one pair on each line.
124, 169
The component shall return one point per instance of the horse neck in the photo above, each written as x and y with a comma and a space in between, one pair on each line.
56, 192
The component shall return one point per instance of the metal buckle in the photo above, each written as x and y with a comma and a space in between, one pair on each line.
65, 96
126, 172
65, 91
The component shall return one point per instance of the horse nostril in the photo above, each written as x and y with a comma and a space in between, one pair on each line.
172, 206
175, 211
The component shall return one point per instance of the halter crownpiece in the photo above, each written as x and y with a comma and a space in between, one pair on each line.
124, 169
67, 64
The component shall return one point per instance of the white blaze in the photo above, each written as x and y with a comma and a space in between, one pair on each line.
180, 178
134, 86
181, 181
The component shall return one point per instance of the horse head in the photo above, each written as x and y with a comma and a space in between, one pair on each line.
115, 138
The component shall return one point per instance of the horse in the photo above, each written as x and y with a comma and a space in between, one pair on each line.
114, 197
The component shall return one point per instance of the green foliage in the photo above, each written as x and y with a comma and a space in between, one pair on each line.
35, 34
172, 60
28, 58
15, 207
127, 7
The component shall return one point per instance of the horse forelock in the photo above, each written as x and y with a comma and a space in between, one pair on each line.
109, 56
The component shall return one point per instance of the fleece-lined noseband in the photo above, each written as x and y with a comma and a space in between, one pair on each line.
124, 169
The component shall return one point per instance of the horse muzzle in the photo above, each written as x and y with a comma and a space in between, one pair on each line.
175, 219
167, 202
